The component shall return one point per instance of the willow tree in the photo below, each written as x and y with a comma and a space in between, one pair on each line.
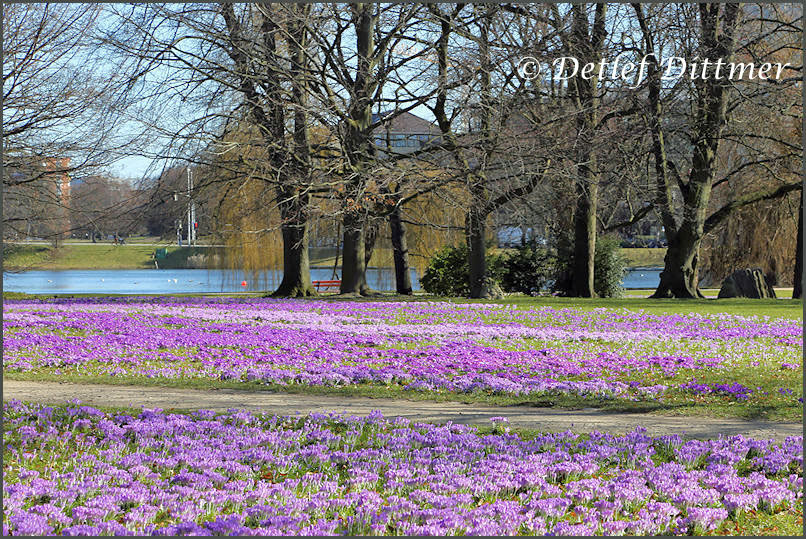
246, 223
245, 218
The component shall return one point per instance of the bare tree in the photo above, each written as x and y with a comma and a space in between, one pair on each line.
359, 52
503, 144
284, 95
63, 109
103, 205
715, 38
235, 67
290, 167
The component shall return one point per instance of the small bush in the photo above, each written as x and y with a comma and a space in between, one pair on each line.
610, 267
527, 270
448, 272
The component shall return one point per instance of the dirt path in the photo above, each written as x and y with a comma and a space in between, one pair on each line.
546, 419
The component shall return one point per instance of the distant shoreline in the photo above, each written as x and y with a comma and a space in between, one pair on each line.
78, 255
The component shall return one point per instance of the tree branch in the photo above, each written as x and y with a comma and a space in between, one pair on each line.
722, 213
640, 214
518, 192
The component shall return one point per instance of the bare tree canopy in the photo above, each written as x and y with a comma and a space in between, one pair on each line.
303, 122
64, 105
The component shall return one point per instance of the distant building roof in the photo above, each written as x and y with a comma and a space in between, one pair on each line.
405, 122
402, 133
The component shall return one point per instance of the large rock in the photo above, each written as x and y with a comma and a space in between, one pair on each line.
746, 283
491, 290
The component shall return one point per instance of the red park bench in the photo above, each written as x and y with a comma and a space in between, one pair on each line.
326, 284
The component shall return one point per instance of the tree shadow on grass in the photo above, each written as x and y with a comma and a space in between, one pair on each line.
750, 412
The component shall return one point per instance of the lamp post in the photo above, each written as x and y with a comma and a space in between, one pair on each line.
191, 212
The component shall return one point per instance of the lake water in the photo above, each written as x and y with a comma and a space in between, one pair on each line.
642, 278
202, 280
169, 281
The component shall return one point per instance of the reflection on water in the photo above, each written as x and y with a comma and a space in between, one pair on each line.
202, 280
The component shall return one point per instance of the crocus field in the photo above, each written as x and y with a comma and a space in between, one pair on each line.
476, 351
76, 470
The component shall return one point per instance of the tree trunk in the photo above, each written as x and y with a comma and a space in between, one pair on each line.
353, 266
338, 250
584, 238
400, 252
679, 276
296, 262
359, 150
475, 222
371, 230
475, 229
587, 45
293, 205
797, 291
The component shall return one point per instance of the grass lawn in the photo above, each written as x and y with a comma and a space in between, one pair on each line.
19, 257
633, 300
644, 256
131, 255
774, 308
709, 293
